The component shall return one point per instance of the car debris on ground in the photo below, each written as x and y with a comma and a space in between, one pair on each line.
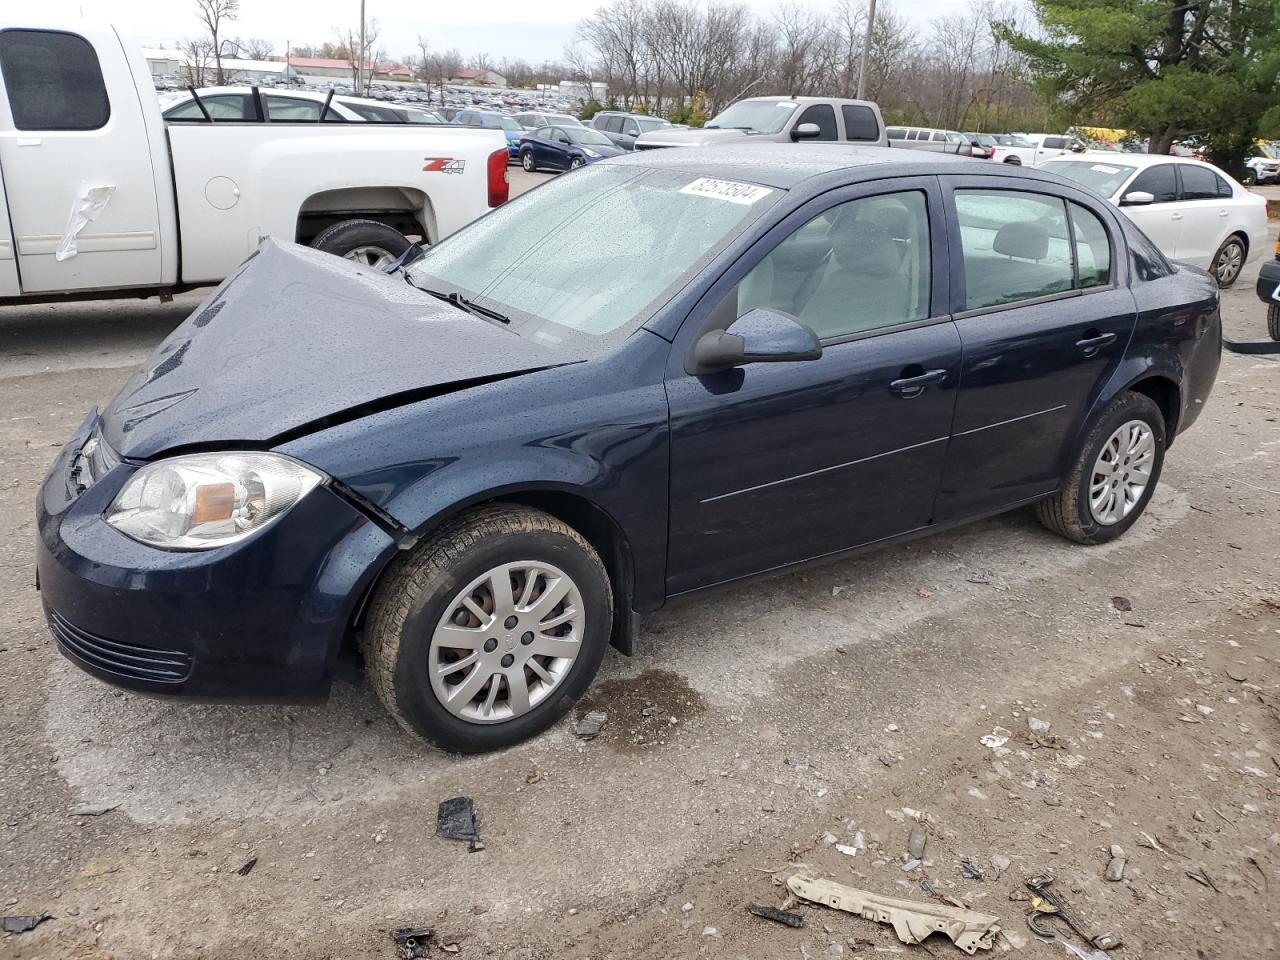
413, 943
777, 916
456, 820
1047, 902
244, 870
93, 809
912, 922
23, 924
589, 727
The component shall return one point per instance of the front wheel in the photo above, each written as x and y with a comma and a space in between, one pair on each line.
575, 163
488, 632
1013, 160
1273, 320
1250, 177
526, 161
1113, 476
1228, 261
367, 242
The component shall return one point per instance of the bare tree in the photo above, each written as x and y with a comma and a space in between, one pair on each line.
196, 56
363, 60
213, 14
255, 48
443, 66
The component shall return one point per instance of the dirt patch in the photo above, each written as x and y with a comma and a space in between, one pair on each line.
645, 711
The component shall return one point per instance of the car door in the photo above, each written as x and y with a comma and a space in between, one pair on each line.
822, 114
74, 137
557, 149
775, 463
1163, 220
1206, 213
1044, 314
630, 130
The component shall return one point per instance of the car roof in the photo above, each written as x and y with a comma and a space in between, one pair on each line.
1139, 160
784, 165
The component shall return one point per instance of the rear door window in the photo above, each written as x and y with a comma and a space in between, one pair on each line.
226, 106
53, 80
893, 133
1199, 183
859, 122
291, 108
1092, 248
824, 116
1016, 246
1054, 143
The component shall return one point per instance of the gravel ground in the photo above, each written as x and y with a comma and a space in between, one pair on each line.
797, 713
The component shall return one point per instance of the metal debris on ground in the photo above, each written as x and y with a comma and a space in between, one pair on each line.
590, 725
915, 843
912, 922
93, 809
412, 943
1048, 902
971, 871
776, 915
456, 820
244, 871
22, 924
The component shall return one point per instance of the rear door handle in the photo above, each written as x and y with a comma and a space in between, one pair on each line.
1091, 345
914, 386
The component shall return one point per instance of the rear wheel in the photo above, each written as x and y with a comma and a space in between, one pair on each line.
1250, 177
1229, 260
1273, 320
1013, 160
488, 632
526, 161
1114, 475
367, 242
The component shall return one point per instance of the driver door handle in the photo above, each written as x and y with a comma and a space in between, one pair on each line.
914, 386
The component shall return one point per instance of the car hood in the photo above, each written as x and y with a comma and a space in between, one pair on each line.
700, 137
297, 340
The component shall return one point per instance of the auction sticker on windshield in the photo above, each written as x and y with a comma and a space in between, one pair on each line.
1103, 168
731, 190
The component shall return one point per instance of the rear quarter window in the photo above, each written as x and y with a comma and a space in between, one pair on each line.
859, 122
53, 80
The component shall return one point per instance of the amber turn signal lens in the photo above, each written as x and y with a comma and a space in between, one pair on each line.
214, 501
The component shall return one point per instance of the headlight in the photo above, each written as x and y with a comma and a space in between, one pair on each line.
208, 499
590, 153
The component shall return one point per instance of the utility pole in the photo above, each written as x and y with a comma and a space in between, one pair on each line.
866, 51
360, 82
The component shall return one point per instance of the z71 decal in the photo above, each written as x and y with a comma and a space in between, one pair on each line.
444, 165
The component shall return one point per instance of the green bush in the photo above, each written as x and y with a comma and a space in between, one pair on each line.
590, 109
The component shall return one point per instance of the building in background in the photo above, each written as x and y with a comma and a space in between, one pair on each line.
485, 78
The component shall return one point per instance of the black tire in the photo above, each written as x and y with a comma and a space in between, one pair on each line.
1224, 278
575, 163
415, 593
1273, 320
1067, 512
346, 238
1249, 177
527, 161
1013, 160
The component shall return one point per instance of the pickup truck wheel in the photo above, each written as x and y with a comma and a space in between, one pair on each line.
526, 161
1113, 476
1013, 160
367, 242
1273, 320
1249, 177
487, 633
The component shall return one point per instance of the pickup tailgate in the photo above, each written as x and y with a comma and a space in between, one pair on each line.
237, 182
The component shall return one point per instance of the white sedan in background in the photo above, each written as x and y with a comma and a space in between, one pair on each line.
1190, 209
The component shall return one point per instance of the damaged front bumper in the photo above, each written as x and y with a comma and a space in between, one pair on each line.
259, 620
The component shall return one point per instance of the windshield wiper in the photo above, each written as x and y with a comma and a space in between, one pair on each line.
461, 302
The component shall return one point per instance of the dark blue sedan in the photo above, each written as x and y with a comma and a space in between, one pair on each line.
666, 373
563, 148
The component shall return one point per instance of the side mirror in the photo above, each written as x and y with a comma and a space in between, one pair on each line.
761, 336
1137, 198
806, 131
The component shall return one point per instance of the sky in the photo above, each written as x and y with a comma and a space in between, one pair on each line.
501, 28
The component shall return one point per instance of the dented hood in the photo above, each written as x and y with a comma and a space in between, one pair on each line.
296, 339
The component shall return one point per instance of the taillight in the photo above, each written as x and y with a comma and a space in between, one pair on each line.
499, 188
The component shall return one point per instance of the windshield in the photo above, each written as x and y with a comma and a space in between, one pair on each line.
1009, 140
1102, 178
500, 123
563, 119
588, 136
591, 256
758, 116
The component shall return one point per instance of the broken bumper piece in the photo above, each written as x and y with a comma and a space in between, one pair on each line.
913, 922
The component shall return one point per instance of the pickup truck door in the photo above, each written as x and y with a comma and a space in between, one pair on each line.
71, 121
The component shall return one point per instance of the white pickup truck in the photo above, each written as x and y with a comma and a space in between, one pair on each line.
100, 197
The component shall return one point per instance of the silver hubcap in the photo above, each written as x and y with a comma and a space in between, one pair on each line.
506, 642
377, 257
527, 161
1230, 260
1121, 472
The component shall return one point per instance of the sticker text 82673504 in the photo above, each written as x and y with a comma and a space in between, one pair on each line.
730, 190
